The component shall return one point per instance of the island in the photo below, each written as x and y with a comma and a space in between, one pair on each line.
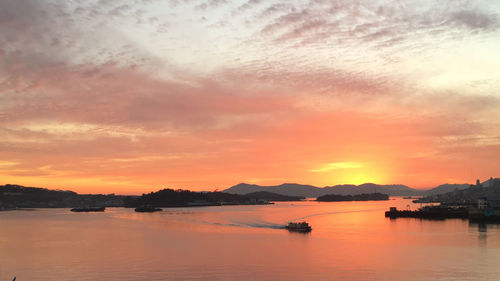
357, 197
147, 209
186, 198
15, 197
271, 196
88, 209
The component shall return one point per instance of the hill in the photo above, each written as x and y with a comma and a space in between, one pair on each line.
489, 189
17, 196
357, 197
293, 189
391, 190
445, 188
185, 198
288, 189
269, 196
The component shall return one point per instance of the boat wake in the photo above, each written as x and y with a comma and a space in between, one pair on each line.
271, 225
261, 224
334, 213
266, 225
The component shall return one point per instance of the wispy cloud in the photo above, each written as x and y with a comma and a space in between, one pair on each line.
7, 164
338, 165
158, 91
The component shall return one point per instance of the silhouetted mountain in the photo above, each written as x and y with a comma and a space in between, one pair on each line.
17, 196
289, 189
489, 189
186, 198
270, 196
444, 188
182, 198
391, 190
293, 189
357, 197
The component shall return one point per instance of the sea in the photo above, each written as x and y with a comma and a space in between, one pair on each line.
349, 241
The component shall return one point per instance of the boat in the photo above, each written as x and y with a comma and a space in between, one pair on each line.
147, 209
299, 226
89, 209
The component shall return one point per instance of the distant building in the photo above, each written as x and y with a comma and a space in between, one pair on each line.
482, 203
488, 183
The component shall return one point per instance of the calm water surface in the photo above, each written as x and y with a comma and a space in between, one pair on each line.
349, 241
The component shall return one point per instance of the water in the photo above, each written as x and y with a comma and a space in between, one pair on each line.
349, 241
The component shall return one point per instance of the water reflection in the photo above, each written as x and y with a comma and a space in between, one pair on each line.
482, 229
349, 241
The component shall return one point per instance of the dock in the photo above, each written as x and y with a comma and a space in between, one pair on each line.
429, 212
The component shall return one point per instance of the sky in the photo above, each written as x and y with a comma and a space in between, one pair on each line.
129, 97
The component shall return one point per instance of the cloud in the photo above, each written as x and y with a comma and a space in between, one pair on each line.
120, 10
249, 5
387, 24
91, 89
338, 165
6, 164
474, 20
277, 8
212, 4
111, 95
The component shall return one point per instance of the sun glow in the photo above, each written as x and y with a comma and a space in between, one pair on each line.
362, 177
338, 165
203, 96
370, 173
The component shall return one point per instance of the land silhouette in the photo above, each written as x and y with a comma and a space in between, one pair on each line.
479, 203
17, 196
294, 189
357, 197
489, 189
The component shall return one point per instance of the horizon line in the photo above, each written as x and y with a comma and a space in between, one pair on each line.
217, 189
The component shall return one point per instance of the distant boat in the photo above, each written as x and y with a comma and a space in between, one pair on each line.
147, 209
299, 227
89, 209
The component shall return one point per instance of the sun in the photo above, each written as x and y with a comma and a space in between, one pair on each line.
367, 174
358, 178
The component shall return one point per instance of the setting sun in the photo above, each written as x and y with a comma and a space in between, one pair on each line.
243, 140
209, 95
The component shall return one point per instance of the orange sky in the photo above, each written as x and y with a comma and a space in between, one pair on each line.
130, 98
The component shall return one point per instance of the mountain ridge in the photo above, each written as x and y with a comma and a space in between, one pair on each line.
489, 189
295, 189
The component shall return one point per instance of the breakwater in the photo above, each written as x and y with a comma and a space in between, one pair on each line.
447, 212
